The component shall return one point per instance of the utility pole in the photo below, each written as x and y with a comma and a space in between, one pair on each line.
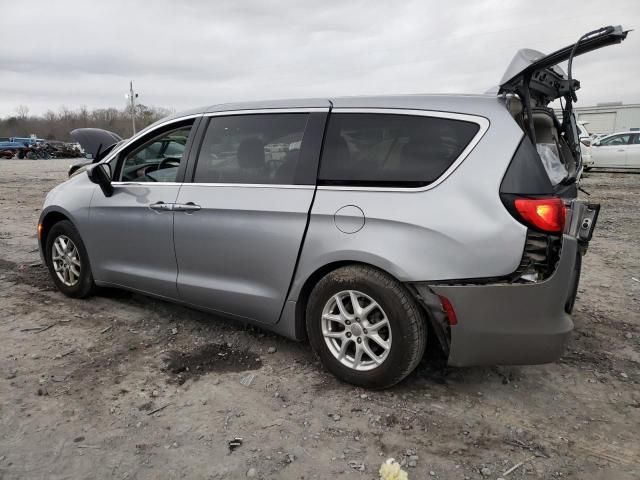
132, 105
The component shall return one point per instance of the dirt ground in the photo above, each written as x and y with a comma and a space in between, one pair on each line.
125, 387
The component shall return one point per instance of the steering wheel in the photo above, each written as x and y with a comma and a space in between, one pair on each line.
164, 163
147, 170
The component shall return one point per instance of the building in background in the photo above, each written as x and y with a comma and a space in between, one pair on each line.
609, 117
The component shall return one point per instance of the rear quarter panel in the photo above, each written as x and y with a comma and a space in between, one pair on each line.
458, 229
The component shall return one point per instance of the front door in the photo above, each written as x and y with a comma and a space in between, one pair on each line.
131, 234
240, 224
611, 152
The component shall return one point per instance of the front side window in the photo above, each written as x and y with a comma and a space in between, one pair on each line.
616, 140
158, 159
391, 150
251, 149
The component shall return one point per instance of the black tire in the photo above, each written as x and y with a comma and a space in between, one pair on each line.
406, 320
85, 285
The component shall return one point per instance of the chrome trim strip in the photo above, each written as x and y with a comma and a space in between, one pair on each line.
266, 110
190, 184
250, 185
482, 122
146, 184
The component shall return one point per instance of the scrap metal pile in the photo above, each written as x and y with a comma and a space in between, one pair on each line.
36, 149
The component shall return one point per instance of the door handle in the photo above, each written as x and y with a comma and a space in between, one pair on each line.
188, 207
161, 206
621, 149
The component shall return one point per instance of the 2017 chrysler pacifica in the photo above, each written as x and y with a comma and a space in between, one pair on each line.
362, 224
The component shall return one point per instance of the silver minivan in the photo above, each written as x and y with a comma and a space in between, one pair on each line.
367, 225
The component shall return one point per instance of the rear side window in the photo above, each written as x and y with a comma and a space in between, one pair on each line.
251, 149
616, 140
391, 150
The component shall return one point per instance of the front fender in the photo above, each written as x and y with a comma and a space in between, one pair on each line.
70, 200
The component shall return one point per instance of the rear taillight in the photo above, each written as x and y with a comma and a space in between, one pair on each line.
586, 142
448, 310
545, 214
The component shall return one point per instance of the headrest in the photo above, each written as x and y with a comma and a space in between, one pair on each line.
251, 153
338, 151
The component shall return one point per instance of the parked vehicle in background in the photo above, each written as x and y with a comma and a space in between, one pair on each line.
26, 140
7, 154
12, 148
359, 223
39, 149
617, 150
59, 149
585, 147
583, 133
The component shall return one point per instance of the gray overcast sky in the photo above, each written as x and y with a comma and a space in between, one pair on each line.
190, 53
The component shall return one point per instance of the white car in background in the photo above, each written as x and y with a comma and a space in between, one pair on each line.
585, 145
617, 150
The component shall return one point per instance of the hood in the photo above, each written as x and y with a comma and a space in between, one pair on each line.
540, 74
95, 140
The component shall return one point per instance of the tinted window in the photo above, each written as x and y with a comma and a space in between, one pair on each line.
391, 150
156, 160
251, 149
616, 140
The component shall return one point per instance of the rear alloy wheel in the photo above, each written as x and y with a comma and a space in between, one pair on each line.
68, 261
356, 330
365, 326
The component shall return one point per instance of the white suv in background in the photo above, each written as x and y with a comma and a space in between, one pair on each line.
585, 145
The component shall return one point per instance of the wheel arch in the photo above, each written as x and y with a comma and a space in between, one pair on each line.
314, 278
47, 220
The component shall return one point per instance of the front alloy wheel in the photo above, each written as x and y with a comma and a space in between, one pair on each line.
66, 260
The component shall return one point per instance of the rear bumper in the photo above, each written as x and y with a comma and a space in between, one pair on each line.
513, 324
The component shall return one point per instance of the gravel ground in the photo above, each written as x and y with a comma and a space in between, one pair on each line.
122, 386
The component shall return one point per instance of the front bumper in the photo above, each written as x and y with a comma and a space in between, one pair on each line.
512, 324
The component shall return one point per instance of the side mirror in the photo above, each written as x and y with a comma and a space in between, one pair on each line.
101, 175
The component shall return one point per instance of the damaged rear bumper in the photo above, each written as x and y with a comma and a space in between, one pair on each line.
511, 324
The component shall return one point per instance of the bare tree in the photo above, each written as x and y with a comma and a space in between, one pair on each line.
23, 112
50, 116
57, 125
